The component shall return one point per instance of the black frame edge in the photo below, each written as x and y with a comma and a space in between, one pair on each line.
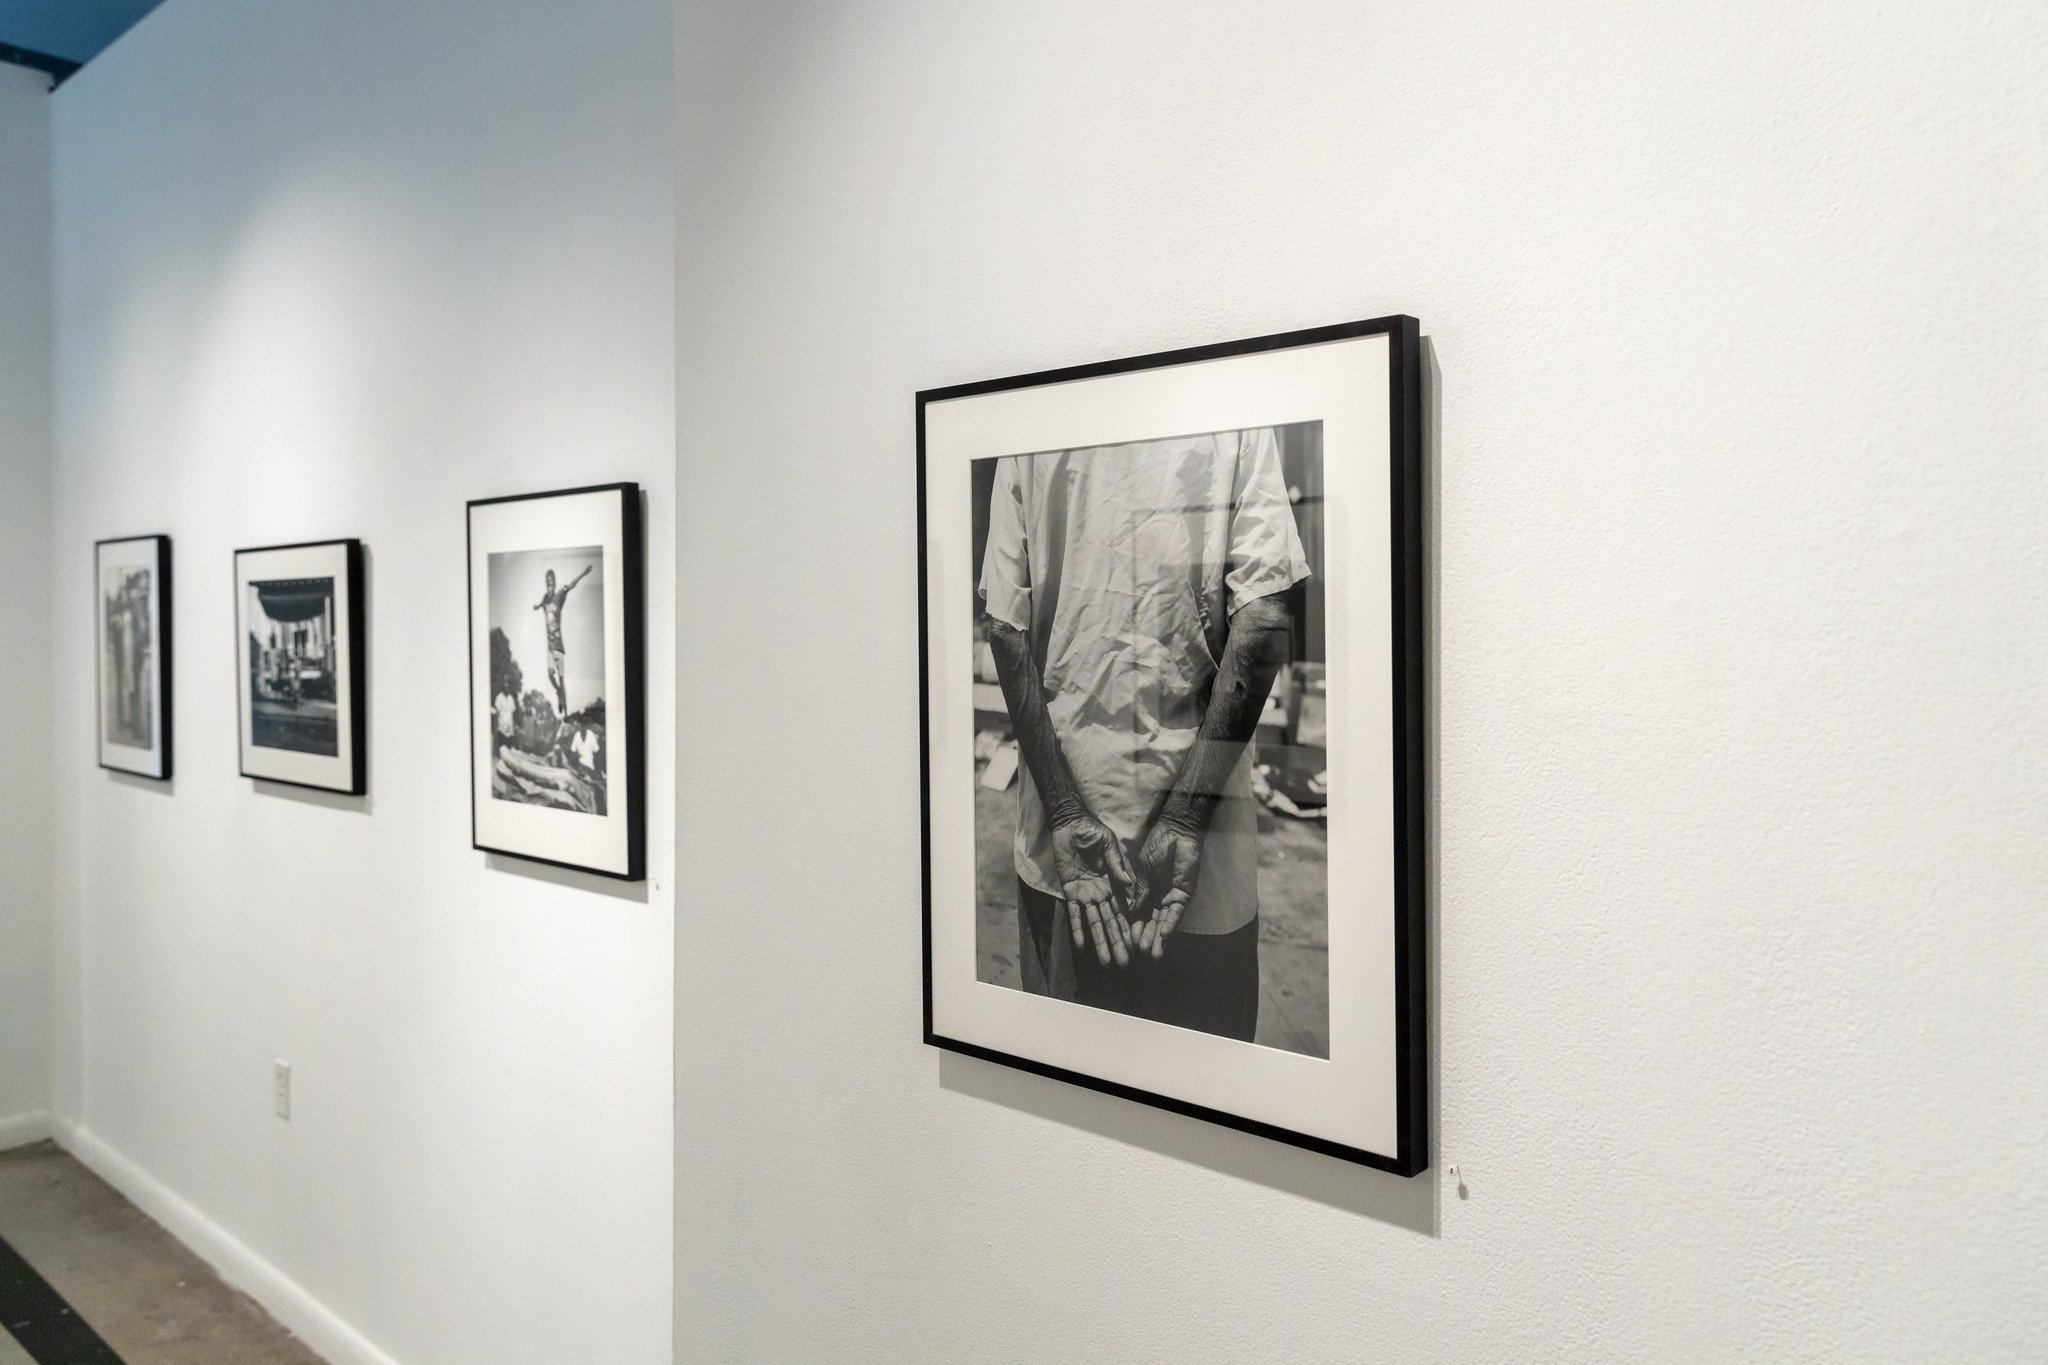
924, 720
1223, 1118
1190, 355
166, 672
633, 549
359, 670
1411, 982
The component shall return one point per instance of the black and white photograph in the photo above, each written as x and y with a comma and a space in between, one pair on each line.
1149, 821
547, 678
133, 610
293, 700
301, 655
556, 649
1173, 774
128, 595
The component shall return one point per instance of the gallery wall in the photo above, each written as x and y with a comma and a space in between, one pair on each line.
1738, 714
331, 271
25, 568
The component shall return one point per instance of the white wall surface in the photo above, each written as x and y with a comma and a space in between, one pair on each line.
332, 270
25, 828
1741, 667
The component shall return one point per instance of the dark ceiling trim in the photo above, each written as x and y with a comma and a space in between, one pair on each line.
56, 68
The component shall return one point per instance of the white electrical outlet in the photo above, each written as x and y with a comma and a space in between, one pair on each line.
281, 1076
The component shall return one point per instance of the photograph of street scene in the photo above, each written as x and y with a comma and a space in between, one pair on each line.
1151, 767
548, 743
292, 699
127, 657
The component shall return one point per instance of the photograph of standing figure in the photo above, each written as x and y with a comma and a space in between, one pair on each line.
133, 610
130, 715
1151, 614
547, 630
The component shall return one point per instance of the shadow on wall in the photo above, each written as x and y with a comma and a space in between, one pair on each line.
574, 878
1406, 1203
312, 796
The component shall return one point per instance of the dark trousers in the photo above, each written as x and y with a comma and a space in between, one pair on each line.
1208, 982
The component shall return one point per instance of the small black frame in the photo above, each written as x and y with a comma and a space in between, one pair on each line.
1407, 646
632, 546
164, 655
358, 673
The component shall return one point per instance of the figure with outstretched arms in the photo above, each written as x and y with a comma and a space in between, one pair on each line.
551, 603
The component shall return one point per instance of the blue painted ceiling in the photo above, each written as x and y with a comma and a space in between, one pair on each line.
73, 30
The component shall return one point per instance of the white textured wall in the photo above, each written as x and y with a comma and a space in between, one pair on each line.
1741, 667
331, 270
25, 928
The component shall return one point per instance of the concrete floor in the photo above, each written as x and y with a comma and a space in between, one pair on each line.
152, 1300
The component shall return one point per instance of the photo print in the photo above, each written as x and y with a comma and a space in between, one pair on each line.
1139, 847
547, 678
302, 673
556, 655
129, 649
1171, 621
294, 703
133, 644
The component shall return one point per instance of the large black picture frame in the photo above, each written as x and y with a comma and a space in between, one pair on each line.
355, 777
1405, 648
159, 560
632, 685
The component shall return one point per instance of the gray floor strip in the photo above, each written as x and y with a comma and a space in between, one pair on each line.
37, 1317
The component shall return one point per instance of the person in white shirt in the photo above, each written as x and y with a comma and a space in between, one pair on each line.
1134, 596
585, 747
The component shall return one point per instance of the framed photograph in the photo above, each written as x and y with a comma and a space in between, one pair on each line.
1171, 615
557, 645
302, 657
132, 581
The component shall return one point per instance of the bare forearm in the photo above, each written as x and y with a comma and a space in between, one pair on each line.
1024, 694
1253, 652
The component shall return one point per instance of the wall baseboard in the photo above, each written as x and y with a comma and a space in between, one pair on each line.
22, 1129
312, 1321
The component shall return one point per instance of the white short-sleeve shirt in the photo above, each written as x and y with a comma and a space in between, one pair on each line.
1124, 565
